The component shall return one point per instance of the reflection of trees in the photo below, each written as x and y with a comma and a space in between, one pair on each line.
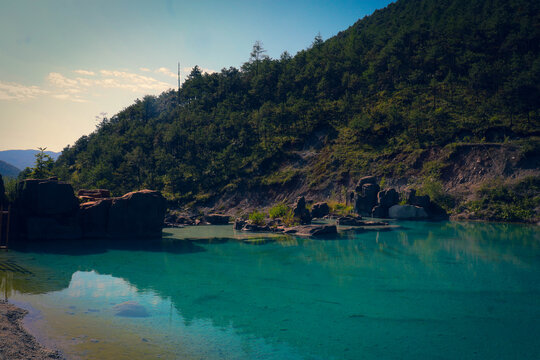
230, 282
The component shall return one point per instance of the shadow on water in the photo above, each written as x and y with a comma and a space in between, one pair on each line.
100, 246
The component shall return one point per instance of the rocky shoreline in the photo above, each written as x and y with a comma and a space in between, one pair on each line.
15, 342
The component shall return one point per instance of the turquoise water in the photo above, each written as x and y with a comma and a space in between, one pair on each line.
426, 290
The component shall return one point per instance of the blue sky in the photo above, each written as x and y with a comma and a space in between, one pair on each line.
64, 62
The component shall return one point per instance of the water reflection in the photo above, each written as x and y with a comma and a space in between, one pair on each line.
414, 290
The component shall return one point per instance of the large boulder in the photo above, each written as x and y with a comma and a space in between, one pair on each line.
300, 212
94, 218
388, 198
320, 209
350, 220
46, 198
434, 211
363, 181
137, 214
366, 199
407, 212
46, 210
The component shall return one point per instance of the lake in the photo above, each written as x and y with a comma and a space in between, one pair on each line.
426, 290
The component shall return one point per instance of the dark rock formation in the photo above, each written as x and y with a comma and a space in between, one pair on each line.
94, 218
46, 209
300, 212
137, 214
46, 198
256, 228
315, 230
379, 211
363, 181
366, 195
385, 199
239, 224
319, 210
388, 198
216, 219
434, 211
349, 220
49, 210
94, 194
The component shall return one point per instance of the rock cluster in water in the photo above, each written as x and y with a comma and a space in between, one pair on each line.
369, 200
49, 210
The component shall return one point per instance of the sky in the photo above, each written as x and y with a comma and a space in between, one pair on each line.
64, 64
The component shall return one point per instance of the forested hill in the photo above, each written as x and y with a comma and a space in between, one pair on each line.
417, 75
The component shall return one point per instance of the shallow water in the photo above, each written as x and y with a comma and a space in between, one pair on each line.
427, 290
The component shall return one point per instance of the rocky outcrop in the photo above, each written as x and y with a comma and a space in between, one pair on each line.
407, 212
319, 210
300, 212
46, 198
93, 194
366, 195
49, 210
349, 220
217, 219
46, 209
434, 211
137, 214
94, 218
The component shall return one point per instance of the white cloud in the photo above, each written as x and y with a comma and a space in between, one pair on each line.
60, 80
85, 72
144, 69
15, 91
166, 71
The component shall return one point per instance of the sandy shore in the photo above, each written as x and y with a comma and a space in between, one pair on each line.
15, 342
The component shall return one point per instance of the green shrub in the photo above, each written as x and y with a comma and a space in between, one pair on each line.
278, 211
340, 209
437, 194
257, 217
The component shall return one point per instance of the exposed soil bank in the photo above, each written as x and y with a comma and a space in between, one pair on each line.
15, 342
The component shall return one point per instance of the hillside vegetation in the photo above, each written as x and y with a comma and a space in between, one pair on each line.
416, 76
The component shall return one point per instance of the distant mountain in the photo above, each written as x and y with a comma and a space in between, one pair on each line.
8, 170
23, 158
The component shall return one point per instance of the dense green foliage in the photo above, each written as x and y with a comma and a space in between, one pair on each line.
279, 211
257, 218
415, 74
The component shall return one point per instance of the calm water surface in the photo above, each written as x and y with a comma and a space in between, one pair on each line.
427, 290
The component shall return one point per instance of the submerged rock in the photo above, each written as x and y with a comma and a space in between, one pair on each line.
130, 309
313, 230
350, 220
